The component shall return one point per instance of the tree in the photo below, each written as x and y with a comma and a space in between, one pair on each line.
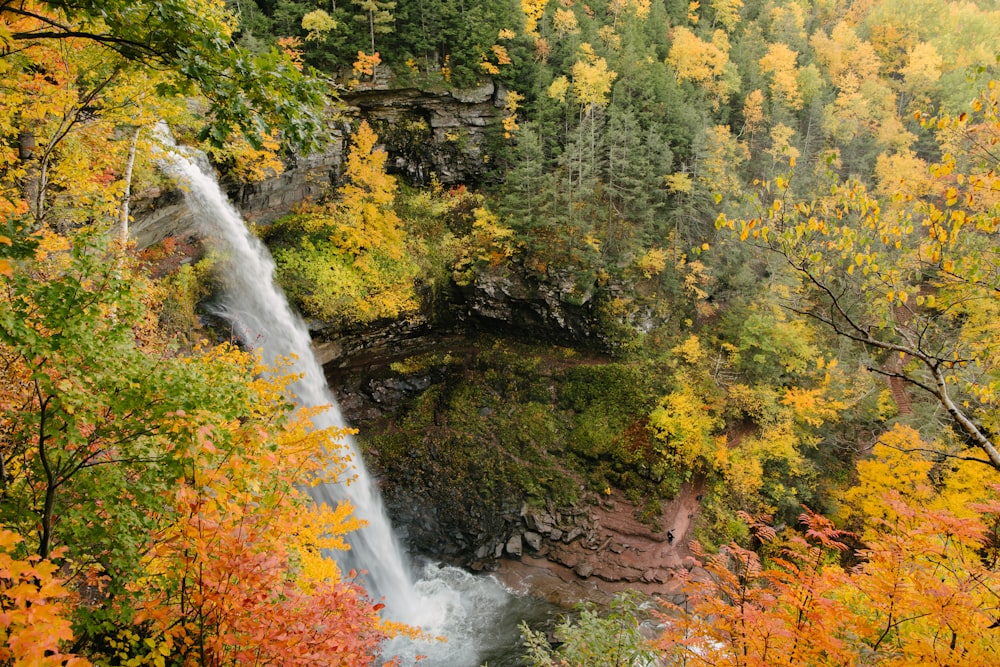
593, 640
349, 258
75, 73
190, 40
166, 488
923, 593
703, 63
779, 62
367, 197
912, 276
378, 15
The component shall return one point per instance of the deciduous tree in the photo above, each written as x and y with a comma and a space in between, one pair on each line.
911, 277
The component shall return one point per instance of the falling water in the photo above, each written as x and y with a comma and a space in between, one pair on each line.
475, 614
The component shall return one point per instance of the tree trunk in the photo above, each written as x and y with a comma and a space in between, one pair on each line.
123, 214
32, 189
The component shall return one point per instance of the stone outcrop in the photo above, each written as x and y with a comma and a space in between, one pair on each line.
304, 179
556, 309
599, 548
426, 132
162, 213
438, 132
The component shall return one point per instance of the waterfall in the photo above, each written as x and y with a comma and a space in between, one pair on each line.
474, 614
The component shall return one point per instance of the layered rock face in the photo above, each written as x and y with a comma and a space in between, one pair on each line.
424, 132
564, 553
443, 134
161, 214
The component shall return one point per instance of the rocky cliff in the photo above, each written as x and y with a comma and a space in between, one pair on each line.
443, 133
425, 133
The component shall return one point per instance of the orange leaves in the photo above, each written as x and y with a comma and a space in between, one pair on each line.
499, 54
244, 601
925, 587
241, 573
5, 267
34, 623
366, 64
921, 595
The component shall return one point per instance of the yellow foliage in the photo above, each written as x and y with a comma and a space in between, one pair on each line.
558, 88
923, 67
490, 243
787, 23
317, 24
964, 483
685, 425
845, 55
591, 78
814, 406
892, 465
610, 38
367, 198
679, 182
704, 63
510, 125
727, 12
533, 12
690, 351
251, 165
779, 62
902, 176
564, 22
781, 144
652, 262
743, 472
723, 155
753, 111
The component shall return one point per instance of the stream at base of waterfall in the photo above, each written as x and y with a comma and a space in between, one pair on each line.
475, 615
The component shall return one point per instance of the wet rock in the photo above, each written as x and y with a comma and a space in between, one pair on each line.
569, 559
514, 546
584, 570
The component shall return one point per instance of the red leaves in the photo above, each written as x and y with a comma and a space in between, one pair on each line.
923, 595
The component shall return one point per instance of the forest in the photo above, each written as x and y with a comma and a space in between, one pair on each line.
767, 236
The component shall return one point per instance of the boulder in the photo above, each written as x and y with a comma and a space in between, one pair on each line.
514, 546
533, 540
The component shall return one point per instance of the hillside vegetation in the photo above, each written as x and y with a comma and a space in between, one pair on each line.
781, 218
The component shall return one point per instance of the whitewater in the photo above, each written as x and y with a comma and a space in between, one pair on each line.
475, 614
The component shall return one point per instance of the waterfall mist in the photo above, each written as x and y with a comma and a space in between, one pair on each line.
474, 613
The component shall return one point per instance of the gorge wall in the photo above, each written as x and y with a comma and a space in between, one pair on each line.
569, 551
425, 133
